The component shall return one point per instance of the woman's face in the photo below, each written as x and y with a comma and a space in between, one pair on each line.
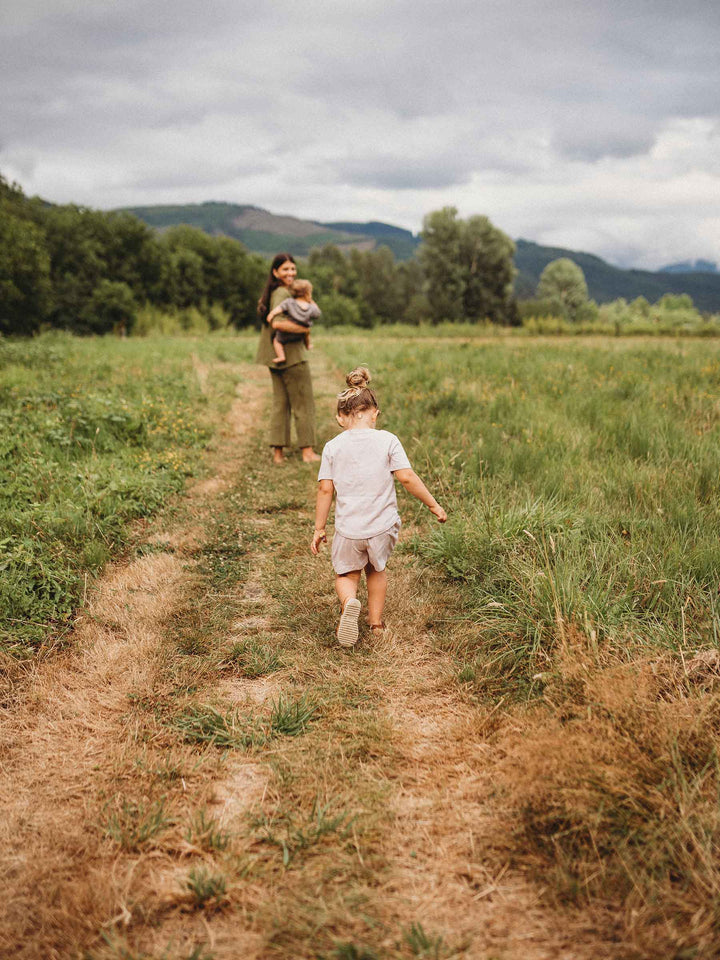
286, 273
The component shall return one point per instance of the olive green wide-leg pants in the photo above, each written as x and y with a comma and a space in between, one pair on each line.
292, 392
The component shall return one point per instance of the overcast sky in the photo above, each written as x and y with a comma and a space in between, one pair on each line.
594, 126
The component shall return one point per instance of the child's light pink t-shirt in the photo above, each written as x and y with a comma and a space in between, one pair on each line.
360, 464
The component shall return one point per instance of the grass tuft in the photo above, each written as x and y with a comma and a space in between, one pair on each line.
251, 658
133, 825
204, 832
283, 831
202, 723
207, 889
291, 717
422, 944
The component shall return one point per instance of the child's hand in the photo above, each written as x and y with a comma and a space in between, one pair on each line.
318, 538
438, 512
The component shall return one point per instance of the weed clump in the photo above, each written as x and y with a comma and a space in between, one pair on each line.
207, 889
134, 825
613, 791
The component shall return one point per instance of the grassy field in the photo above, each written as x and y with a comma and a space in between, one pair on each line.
582, 481
568, 612
93, 434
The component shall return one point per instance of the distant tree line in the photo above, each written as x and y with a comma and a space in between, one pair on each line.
89, 271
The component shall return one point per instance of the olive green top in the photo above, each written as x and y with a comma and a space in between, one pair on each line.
294, 352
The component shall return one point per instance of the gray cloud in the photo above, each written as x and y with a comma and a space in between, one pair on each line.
403, 173
541, 114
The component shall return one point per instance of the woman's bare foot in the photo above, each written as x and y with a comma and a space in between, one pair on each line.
278, 456
309, 455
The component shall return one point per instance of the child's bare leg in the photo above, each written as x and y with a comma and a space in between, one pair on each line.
377, 591
346, 585
279, 351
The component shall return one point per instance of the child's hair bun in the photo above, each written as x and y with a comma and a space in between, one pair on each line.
359, 377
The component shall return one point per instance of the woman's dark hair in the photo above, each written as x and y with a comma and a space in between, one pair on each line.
358, 396
263, 306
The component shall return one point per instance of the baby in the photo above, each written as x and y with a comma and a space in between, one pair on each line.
300, 308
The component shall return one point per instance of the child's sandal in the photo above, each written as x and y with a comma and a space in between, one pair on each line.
377, 627
347, 628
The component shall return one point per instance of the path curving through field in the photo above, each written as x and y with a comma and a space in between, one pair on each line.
374, 829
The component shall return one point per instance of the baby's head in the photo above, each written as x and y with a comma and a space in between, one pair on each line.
358, 397
301, 289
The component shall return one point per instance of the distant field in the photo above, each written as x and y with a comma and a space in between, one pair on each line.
596, 462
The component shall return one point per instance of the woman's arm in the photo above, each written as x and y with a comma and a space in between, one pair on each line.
286, 324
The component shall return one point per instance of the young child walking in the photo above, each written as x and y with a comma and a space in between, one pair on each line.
301, 308
358, 467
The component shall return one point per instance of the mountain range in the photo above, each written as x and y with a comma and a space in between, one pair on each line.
266, 233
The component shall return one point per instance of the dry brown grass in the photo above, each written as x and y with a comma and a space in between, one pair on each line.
72, 746
613, 784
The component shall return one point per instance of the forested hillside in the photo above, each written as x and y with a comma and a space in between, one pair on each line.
266, 233
606, 283
259, 230
176, 269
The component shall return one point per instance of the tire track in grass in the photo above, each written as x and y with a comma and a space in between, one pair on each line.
374, 832
82, 769
402, 753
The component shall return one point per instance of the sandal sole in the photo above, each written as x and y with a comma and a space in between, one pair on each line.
347, 629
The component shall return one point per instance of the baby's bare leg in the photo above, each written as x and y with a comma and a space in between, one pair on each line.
279, 351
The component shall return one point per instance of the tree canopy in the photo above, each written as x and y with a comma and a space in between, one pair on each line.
468, 268
91, 271
562, 283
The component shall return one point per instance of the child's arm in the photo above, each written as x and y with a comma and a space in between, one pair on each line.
414, 485
326, 488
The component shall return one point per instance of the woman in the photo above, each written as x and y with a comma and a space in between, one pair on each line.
292, 387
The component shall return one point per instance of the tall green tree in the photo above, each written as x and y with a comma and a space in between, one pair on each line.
331, 272
487, 256
468, 268
380, 291
562, 283
25, 288
441, 258
111, 307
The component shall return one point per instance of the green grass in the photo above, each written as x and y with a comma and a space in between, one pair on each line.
204, 724
94, 433
133, 825
207, 889
581, 481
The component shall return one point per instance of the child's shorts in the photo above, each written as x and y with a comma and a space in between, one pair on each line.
348, 555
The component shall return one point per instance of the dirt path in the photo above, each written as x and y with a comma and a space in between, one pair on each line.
351, 813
